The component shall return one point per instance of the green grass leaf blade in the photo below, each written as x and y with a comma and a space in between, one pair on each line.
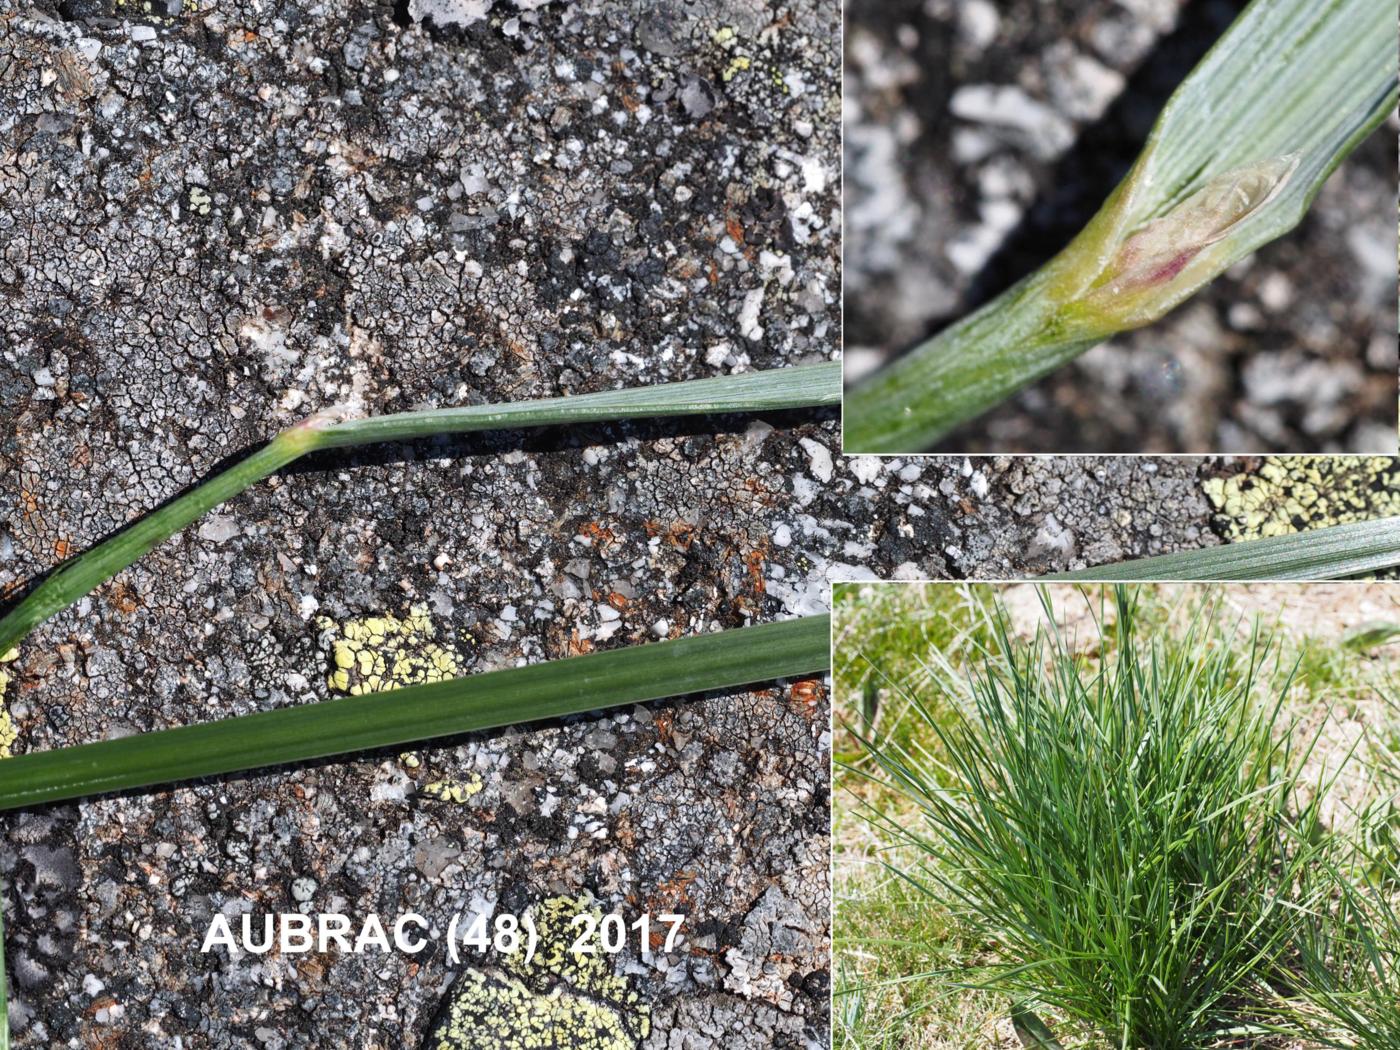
1370, 635
1236, 158
1032, 1031
332, 727
81, 574
771, 390
1319, 554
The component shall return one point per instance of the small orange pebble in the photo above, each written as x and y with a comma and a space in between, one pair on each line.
809, 692
599, 534
755, 561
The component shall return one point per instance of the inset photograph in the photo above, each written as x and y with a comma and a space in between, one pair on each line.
1120, 227
1151, 816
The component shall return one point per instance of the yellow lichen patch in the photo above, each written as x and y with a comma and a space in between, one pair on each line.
558, 999
1295, 493
449, 790
737, 65
728, 40
386, 652
504, 1014
8, 733
591, 973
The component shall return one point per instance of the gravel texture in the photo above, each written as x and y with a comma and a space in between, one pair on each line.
217, 217
981, 136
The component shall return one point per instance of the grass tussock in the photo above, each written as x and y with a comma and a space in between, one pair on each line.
1130, 840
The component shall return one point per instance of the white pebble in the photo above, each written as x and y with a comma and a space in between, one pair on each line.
303, 889
819, 459
978, 21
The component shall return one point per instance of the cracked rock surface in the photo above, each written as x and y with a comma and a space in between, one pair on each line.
982, 135
217, 217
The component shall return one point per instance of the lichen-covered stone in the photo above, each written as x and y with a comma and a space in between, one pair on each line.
1286, 494
217, 220
556, 999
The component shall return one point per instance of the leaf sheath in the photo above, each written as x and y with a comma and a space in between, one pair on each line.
1281, 100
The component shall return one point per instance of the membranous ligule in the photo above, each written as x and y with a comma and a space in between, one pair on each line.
1159, 250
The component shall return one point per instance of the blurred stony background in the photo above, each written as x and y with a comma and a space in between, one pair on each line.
982, 134
218, 216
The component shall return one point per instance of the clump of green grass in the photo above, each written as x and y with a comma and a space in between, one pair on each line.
1127, 830
1351, 951
1351, 958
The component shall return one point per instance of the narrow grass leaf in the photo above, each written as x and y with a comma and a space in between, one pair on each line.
1319, 554
422, 712
1370, 634
1032, 1031
1234, 161
782, 388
